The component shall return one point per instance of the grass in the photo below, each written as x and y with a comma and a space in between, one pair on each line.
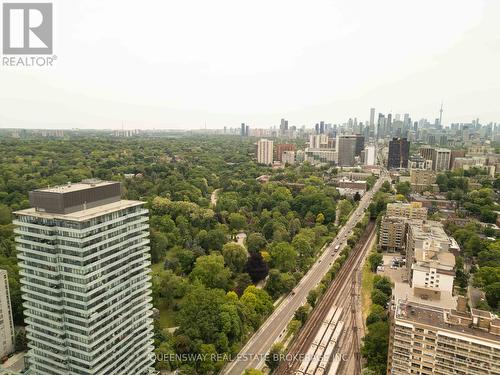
366, 289
167, 315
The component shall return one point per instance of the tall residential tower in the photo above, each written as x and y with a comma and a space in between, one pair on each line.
84, 264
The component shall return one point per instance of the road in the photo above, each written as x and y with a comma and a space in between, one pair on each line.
252, 355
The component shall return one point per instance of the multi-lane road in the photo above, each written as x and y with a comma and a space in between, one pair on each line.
252, 355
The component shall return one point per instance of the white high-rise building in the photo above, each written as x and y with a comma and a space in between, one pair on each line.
265, 151
85, 274
370, 155
6, 323
441, 159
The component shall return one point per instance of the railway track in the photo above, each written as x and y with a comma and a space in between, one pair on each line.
343, 279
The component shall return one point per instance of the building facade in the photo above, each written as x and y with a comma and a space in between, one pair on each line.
265, 151
347, 150
430, 340
281, 148
85, 274
6, 322
441, 159
399, 152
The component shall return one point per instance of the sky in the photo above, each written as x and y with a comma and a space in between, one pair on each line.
188, 64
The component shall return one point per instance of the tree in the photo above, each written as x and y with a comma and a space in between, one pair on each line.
235, 256
486, 276
383, 283
377, 314
237, 221
403, 188
312, 297
320, 218
279, 283
344, 208
256, 242
374, 259
492, 292
302, 246
294, 326
386, 187
211, 272
205, 314
256, 267
241, 282
379, 297
5, 217
159, 245
302, 313
252, 371
375, 345
275, 356
256, 305
283, 256
21, 340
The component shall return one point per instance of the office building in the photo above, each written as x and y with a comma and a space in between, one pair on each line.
265, 151
85, 274
427, 339
6, 322
347, 150
399, 151
360, 144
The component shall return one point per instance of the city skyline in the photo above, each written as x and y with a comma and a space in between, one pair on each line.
231, 63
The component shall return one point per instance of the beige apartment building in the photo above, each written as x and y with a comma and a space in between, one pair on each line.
431, 340
421, 179
265, 151
394, 224
422, 239
413, 210
6, 322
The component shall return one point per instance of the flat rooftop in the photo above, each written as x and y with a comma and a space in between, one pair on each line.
418, 313
78, 186
73, 197
82, 215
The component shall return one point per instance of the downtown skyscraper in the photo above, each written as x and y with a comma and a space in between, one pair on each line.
85, 274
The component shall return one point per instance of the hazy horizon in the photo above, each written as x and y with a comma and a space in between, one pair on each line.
181, 65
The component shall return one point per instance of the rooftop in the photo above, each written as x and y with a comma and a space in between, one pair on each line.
80, 196
78, 186
82, 215
418, 313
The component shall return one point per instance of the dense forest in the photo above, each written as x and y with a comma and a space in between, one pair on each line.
225, 245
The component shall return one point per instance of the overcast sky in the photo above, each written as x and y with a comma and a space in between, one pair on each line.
181, 64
